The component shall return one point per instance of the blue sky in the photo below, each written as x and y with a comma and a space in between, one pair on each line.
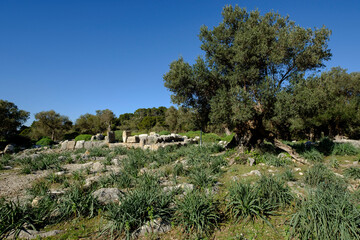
76, 57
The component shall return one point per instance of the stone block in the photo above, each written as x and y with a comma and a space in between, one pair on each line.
71, 145
64, 145
88, 144
125, 135
133, 139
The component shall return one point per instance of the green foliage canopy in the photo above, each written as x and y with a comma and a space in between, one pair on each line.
249, 59
11, 118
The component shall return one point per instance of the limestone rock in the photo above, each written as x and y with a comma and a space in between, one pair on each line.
79, 144
253, 172
155, 226
97, 167
71, 145
33, 234
88, 144
107, 195
64, 145
251, 161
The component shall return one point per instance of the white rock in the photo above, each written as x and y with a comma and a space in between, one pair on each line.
107, 195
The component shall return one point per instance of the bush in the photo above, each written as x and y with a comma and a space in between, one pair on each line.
313, 155
352, 172
197, 214
202, 177
326, 146
45, 141
85, 137
326, 213
164, 132
275, 161
343, 149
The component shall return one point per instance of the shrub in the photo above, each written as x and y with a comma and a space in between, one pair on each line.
244, 203
343, 149
313, 155
45, 141
273, 160
164, 132
325, 146
317, 174
326, 213
85, 137
137, 207
197, 214
352, 172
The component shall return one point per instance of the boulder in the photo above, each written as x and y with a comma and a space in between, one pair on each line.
111, 137
156, 226
64, 145
97, 167
79, 144
151, 139
9, 148
125, 135
107, 195
99, 136
71, 145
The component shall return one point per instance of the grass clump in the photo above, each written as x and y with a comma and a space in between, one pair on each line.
343, 149
41, 162
244, 203
197, 214
352, 172
313, 155
317, 174
326, 213
274, 190
138, 206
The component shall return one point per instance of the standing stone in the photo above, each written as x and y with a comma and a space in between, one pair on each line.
111, 136
71, 145
142, 142
92, 138
64, 145
79, 144
125, 135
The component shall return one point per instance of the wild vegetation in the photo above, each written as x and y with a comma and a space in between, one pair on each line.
196, 192
256, 84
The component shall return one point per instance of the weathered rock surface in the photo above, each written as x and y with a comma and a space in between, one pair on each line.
107, 195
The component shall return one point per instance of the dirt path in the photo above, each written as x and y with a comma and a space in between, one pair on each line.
14, 184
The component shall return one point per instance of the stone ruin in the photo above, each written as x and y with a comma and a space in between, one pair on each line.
151, 141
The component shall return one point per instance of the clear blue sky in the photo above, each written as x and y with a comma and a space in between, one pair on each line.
76, 57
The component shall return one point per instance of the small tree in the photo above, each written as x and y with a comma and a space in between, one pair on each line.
51, 124
11, 119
